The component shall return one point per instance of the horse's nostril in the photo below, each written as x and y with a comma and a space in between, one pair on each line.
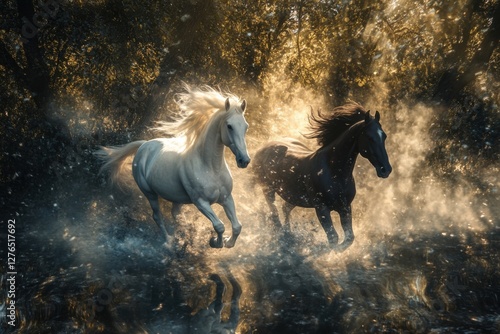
242, 162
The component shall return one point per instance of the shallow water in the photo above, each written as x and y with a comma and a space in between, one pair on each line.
90, 260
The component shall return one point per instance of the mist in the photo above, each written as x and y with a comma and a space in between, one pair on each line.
91, 259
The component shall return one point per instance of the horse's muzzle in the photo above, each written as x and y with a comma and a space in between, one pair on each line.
384, 172
242, 162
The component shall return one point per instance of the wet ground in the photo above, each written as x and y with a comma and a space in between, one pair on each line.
89, 259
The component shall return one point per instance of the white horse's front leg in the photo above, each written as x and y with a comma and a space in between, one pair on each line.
230, 210
206, 209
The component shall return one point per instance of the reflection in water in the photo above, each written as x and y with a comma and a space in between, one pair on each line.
208, 320
119, 283
134, 292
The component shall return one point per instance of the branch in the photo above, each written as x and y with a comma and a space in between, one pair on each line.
299, 28
482, 56
11, 65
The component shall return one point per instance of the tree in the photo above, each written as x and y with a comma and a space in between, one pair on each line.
462, 72
73, 72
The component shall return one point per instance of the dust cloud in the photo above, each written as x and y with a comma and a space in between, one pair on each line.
406, 226
424, 257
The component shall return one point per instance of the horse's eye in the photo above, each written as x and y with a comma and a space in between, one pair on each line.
230, 127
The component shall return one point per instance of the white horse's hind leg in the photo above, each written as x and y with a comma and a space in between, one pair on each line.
230, 210
158, 218
176, 212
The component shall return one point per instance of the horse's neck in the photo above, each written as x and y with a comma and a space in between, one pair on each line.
343, 151
209, 144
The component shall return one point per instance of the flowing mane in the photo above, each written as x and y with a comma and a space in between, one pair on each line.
196, 108
207, 122
326, 128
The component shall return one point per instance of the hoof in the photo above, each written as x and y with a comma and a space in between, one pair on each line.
276, 224
228, 242
287, 233
168, 245
342, 247
182, 251
169, 242
214, 243
334, 243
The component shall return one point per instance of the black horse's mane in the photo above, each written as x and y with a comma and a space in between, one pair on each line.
326, 128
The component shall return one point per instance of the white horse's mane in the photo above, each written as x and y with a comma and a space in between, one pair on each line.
196, 105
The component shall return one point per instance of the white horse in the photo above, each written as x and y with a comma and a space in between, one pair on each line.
190, 168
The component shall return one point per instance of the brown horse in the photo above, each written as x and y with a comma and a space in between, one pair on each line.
323, 179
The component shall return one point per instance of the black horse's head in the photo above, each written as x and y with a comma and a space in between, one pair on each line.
371, 144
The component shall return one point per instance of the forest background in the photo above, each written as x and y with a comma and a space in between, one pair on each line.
74, 74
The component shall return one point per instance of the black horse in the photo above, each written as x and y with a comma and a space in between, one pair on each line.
323, 179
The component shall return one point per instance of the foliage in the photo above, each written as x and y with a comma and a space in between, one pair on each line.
101, 68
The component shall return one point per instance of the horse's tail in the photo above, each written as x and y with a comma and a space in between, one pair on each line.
115, 160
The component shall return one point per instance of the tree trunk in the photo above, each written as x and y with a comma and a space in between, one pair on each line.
36, 76
453, 81
36, 71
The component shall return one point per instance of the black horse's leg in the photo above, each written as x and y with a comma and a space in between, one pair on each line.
346, 222
287, 209
325, 219
270, 196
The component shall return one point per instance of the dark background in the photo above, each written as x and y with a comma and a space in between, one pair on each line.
78, 74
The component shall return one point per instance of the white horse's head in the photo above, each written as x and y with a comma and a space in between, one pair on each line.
233, 132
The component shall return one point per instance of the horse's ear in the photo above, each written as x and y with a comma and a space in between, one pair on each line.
227, 104
377, 116
368, 117
243, 106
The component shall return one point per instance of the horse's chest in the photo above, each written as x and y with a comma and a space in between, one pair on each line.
335, 192
213, 187
294, 189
